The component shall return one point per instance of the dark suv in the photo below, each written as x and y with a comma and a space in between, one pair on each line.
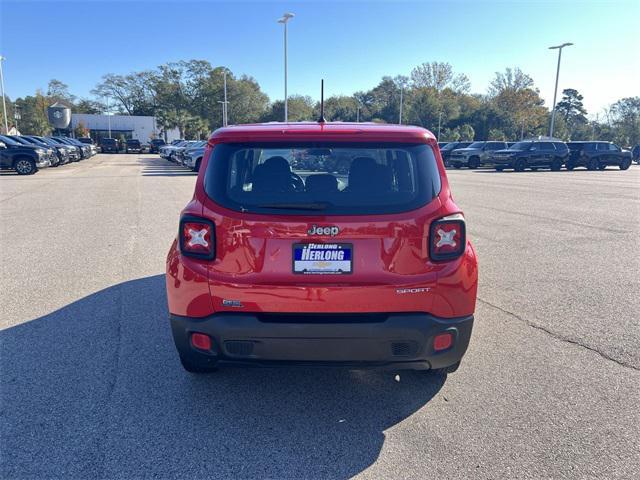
155, 144
133, 146
445, 150
24, 159
597, 155
532, 154
476, 154
108, 145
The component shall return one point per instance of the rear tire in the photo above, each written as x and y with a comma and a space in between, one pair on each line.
556, 165
499, 169
593, 164
601, 167
456, 165
25, 166
626, 163
197, 167
474, 162
520, 165
570, 166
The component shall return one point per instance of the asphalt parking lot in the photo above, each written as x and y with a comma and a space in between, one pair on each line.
91, 386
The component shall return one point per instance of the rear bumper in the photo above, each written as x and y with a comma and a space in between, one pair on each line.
394, 340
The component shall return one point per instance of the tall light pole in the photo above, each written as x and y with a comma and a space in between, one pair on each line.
284, 20
108, 115
555, 92
400, 119
225, 120
4, 103
16, 115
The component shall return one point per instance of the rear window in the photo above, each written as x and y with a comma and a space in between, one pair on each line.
133, 142
320, 178
108, 141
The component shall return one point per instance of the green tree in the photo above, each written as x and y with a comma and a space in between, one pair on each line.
572, 110
495, 134
439, 75
340, 109
247, 103
467, 134
33, 110
197, 128
58, 91
625, 120
88, 106
81, 130
383, 101
299, 108
512, 79
516, 105
450, 135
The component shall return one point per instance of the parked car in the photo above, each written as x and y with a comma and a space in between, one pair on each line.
182, 154
91, 143
445, 151
635, 153
597, 155
167, 151
61, 152
109, 145
24, 159
155, 144
52, 155
279, 266
63, 141
133, 146
193, 156
475, 155
84, 149
532, 154
72, 152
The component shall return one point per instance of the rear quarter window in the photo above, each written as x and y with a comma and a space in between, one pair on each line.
320, 178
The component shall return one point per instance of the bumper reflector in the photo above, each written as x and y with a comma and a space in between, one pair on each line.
201, 341
442, 342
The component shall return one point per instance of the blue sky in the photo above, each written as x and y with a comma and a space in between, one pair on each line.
351, 44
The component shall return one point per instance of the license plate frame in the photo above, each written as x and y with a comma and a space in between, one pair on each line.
339, 266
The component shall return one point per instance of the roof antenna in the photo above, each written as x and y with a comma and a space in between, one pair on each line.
321, 119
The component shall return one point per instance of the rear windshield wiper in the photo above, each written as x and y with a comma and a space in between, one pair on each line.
297, 206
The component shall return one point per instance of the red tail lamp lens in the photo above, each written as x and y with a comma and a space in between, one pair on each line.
448, 239
442, 342
197, 238
201, 341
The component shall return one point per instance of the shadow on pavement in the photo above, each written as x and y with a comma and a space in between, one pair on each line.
159, 167
95, 389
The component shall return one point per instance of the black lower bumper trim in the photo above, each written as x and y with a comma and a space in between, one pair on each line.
402, 340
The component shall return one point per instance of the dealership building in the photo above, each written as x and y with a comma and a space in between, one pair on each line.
129, 126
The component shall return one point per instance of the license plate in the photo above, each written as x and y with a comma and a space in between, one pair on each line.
323, 258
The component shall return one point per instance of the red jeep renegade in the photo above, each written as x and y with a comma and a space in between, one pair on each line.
322, 244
